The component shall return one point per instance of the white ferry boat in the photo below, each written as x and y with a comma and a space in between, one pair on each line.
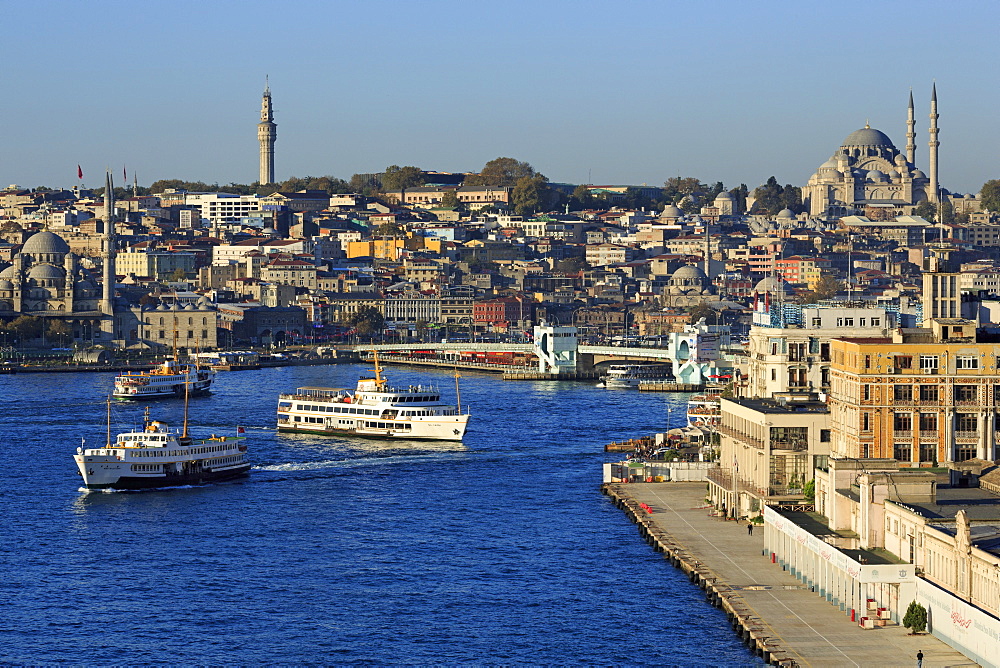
158, 456
374, 409
625, 376
166, 380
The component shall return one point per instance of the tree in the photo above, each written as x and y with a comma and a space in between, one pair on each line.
582, 199
26, 327
389, 230
990, 193
528, 194
58, 330
503, 172
450, 200
826, 287
926, 210
178, 275
809, 490
915, 618
702, 310
397, 178
367, 321
571, 265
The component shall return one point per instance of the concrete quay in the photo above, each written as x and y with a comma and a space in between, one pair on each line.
774, 613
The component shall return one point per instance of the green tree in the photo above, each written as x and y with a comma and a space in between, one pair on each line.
740, 195
582, 199
58, 330
571, 265
396, 178
990, 193
450, 200
825, 288
926, 210
26, 327
915, 618
389, 230
178, 275
528, 195
702, 310
809, 490
367, 321
503, 172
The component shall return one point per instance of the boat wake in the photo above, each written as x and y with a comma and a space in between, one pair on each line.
360, 462
139, 491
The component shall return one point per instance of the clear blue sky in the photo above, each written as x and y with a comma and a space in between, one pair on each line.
606, 92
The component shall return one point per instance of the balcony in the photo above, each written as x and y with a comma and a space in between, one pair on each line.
928, 435
740, 436
966, 436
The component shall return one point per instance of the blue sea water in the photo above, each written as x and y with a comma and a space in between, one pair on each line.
498, 550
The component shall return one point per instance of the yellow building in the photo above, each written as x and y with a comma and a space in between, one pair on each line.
923, 396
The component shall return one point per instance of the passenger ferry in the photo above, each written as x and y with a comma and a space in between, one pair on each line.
158, 456
374, 409
625, 376
166, 380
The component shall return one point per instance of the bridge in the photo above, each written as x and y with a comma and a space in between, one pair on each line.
696, 355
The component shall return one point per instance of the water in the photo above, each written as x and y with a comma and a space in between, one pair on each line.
498, 550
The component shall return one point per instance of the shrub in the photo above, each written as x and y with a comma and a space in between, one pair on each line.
915, 618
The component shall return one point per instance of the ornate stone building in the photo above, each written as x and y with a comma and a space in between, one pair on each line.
868, 170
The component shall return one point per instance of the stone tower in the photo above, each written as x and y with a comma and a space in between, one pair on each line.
267, 132
108, 250
932, 190
911, 134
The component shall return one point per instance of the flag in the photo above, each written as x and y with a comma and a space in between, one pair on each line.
124, 175
79, 172
241, 430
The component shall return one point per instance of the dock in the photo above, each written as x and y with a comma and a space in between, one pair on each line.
778, 617
670, 387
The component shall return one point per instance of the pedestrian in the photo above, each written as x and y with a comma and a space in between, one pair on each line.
749, 528
920, 658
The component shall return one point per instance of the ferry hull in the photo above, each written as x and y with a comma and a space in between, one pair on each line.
443, 429
117, 475
198, 389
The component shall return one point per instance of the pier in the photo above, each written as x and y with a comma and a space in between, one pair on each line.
777, 616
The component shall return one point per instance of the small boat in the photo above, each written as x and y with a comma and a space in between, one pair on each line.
375, 409
626, 376
159, 456
170, 379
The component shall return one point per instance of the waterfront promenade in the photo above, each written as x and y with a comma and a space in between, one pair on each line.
802, 627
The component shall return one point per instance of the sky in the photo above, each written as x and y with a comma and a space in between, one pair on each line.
628, 92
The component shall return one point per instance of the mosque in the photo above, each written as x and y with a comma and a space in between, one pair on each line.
868, 172
46, 280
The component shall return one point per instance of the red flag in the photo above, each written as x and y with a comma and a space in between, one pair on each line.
124, 175
79, 172
241, 430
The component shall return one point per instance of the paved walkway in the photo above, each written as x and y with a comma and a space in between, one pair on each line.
812, 631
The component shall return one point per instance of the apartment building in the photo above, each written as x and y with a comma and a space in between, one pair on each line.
922, 396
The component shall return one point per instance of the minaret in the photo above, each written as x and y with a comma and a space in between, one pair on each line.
932, 195
267, 132
108, 289
911, 134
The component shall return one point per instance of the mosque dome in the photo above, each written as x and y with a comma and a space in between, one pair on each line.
45, 271
785, 214
9, 272
671, 211
45, 242
830, 164
690, 272
772, 284
917, 174
875, 175
868, 136
724, 196
5, 284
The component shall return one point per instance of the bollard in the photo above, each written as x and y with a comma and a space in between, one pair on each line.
772, 558
852, 615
